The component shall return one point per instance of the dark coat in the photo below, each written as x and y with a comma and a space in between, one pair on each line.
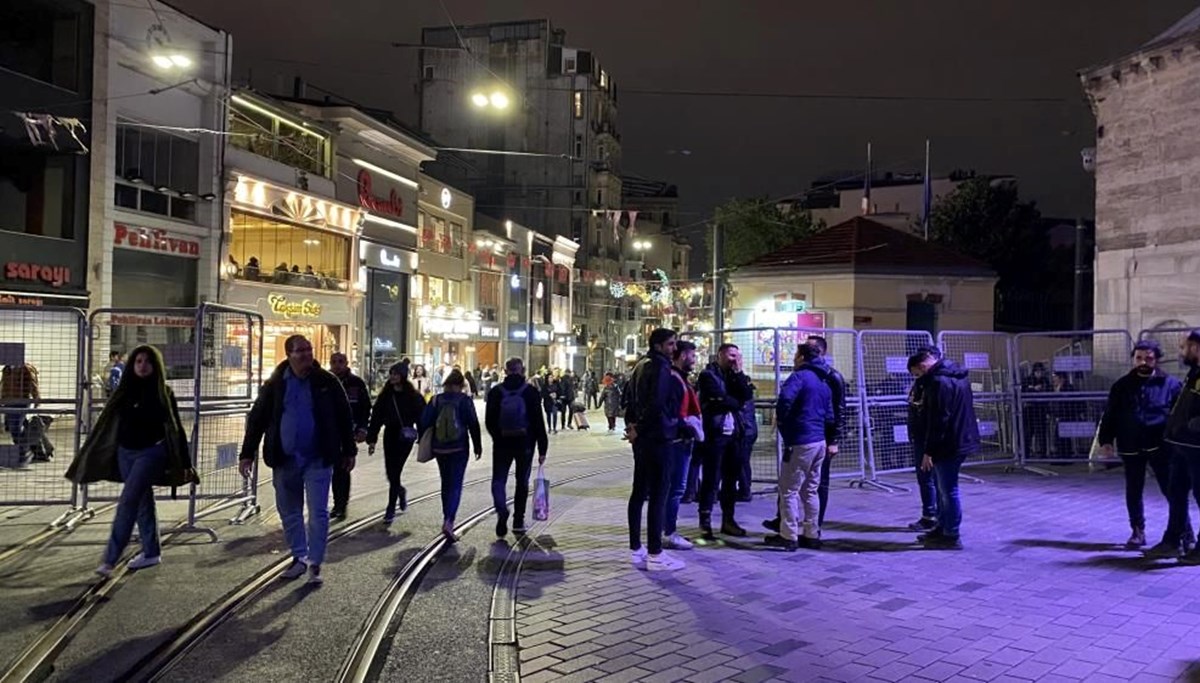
393, 411
1183, 426
1137, 411
359, 398
331, 412
950, 429
654, 400
722, 394
837, 389
535, 433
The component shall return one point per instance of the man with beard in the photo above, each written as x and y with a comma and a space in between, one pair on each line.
724, 390
1135, 418
1183, 438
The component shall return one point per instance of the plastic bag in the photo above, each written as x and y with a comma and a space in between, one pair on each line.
541, 496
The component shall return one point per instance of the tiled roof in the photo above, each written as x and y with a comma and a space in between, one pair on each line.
863, 245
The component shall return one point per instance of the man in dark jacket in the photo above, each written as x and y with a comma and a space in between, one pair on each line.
652, 422
513, 418
917, 417
950, 434
360, 409
805, 418
1183, 438
1135, 419
305, 418
724, 390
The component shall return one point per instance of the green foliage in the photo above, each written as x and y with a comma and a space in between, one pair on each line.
754, 227
992, 224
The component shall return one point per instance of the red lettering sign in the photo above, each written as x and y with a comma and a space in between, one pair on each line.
55, 276
392, 206
155, 240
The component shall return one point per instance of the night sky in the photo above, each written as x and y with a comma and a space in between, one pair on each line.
1004, 49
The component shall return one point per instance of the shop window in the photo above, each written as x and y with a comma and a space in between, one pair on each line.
150, 280
42, 40
456, 240
418, 287
437, 291
267, 250
37, 193
156, 172
488, 296
578, 107
258, 130
454, 292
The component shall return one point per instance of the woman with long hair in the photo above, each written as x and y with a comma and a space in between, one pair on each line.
420, 379
397, 411
452, 417
140, 441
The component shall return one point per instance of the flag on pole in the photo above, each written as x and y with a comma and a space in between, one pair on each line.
866, 200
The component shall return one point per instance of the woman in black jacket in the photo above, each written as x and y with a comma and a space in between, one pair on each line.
398, 408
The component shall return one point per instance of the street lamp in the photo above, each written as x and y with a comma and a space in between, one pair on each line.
496, 99
641, 245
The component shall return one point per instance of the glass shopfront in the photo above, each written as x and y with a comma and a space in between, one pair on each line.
273, 251
386, 325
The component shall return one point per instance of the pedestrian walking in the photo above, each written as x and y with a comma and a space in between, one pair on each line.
680, 453
138, 440
652, 422
513, 417
611, 399
550, 390
1183, 437
591, 390
806, 423
397, 412
455, 424
303, 420
1135, 420
950, 434
724, 390
19, 392
360, 409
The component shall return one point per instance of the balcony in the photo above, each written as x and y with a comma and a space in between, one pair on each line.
259, 131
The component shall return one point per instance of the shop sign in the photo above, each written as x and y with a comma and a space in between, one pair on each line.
489, 331
304, 308
543, 334
451, 328
393, 205
388, 258
446, 198
147, 239
128, 320
54, 276
518, 333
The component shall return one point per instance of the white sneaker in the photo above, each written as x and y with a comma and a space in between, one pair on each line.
105, 570
295, 570
663, 562
314, 575
140, 561
638, 557
676, 542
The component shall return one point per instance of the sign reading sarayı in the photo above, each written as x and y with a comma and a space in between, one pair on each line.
147, 239
305, 308
54, 276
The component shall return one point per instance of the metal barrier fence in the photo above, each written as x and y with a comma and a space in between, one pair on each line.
1064, 379
884, 383
213, 359
987, 358
41, 389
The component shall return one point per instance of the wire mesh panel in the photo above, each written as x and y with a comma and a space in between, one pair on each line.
987, 357
884, 382
41, 391
1170, 339
888, 444
1064, 378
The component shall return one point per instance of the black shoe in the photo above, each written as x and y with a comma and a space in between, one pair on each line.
771, 524
777, 541
731, 528
337, 513
923, 524
934, 534
519, 527
706, 526
403, 499
943, 542
687, 499
502, 525
746, 497
810, 543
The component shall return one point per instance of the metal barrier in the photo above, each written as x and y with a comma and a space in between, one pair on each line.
1170, 339
41, 389
1064, 379
988, 359
884, 383
213, 359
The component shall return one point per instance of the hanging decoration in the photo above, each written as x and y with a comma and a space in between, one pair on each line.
617, 289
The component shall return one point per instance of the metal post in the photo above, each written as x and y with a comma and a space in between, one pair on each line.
779, 445
1080, 271
718, 296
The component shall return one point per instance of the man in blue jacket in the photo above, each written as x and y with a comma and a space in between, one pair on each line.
1135, 419
1183, 437
950, 434
806, 423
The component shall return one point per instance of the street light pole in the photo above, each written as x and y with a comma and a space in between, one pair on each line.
718, 296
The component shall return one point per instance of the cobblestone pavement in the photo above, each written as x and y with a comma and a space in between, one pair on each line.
1044, 591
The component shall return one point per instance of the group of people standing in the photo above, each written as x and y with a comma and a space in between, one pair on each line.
309, 422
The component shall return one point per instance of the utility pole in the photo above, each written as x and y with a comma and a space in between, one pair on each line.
718, 296
1080, 272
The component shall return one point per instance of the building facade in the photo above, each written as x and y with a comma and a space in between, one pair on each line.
560, 107
443, 300
1146, 161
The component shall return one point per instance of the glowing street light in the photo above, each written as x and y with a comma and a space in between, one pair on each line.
496, 99
173, 61
499, 100
479, 100
641, 245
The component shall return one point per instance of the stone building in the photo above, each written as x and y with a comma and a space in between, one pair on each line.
1147, 166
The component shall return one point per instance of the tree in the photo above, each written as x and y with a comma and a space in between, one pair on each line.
754, 227
989, 222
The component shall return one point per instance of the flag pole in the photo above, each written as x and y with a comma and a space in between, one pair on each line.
927, 197
866, 200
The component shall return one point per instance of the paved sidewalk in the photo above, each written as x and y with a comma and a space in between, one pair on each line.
1043, 591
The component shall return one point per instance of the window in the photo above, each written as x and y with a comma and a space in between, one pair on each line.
287, 254
578, 197
436, 294
578, 146
428, 72
156, 172
453, 292
37, 193
489, 295
418, 287
41, 39
150, 280
456, 240
603, 78
258, 130
578, 104
570, 65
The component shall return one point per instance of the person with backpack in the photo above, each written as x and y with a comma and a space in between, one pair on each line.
452, 417
513, 417
397, 411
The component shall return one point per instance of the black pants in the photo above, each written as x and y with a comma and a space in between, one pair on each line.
1159, 461
1185, 474
721, 468
502, 461
650, 479
341, 488
395, 454
823, 488
745, 476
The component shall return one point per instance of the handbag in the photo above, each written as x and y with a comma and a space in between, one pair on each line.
425, 446
541, 496
407, 432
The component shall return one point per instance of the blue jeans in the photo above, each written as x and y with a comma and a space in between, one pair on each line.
296, 481
136, 505
453, 468
927, 485
677, 473
949, 516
